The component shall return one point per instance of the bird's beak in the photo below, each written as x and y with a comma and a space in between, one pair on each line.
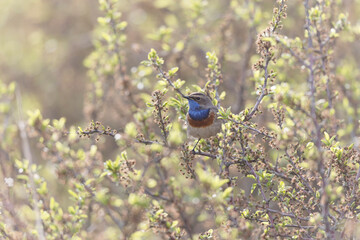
187, 97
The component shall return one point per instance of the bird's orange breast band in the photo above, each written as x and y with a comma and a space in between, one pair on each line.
202, 123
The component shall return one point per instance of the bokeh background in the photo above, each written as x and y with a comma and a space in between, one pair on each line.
44, 44
51, 50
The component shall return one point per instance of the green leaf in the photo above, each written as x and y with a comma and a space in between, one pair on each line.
72, 193
227, 192
222, 95
253, 187
42, 190
146, 63
71, 210
152, 55
269, 39
172, 71
103, 20
251, 176
130, 129
23, 177
310, 145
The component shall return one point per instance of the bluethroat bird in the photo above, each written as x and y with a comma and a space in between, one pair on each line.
202, 121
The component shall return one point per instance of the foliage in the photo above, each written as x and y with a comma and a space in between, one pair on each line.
286, 164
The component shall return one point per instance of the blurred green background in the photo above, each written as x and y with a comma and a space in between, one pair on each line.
45, 43
42, 48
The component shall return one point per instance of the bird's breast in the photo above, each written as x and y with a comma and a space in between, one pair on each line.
201, 123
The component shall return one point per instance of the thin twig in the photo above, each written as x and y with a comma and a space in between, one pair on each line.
251, 128
203, 154
311, 80
258, 181
163, 75
299, 226
156, 196
298, 58
261, 191
28, 156
147, 142
304, 181
97, 131
263, 91
287, 214
268, 57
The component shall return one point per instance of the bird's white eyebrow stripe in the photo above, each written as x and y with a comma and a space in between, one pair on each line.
197, 95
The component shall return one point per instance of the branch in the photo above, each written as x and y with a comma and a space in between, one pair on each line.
27, 155
159, 108
304, 181
252, 129
147, 142
258, 181
163, 75
97, 131
155, 196
203, 154
287, 214
263, 91
264, 47
262, 192
311, 80
298, 58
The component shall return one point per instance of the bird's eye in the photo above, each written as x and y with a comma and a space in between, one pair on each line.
197, 98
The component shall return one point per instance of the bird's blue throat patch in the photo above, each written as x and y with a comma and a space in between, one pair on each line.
196, 112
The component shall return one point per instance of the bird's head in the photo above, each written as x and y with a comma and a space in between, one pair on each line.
198, 101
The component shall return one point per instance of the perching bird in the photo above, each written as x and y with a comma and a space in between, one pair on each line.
202, 121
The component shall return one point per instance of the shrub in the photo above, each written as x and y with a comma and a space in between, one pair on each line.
285, 165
